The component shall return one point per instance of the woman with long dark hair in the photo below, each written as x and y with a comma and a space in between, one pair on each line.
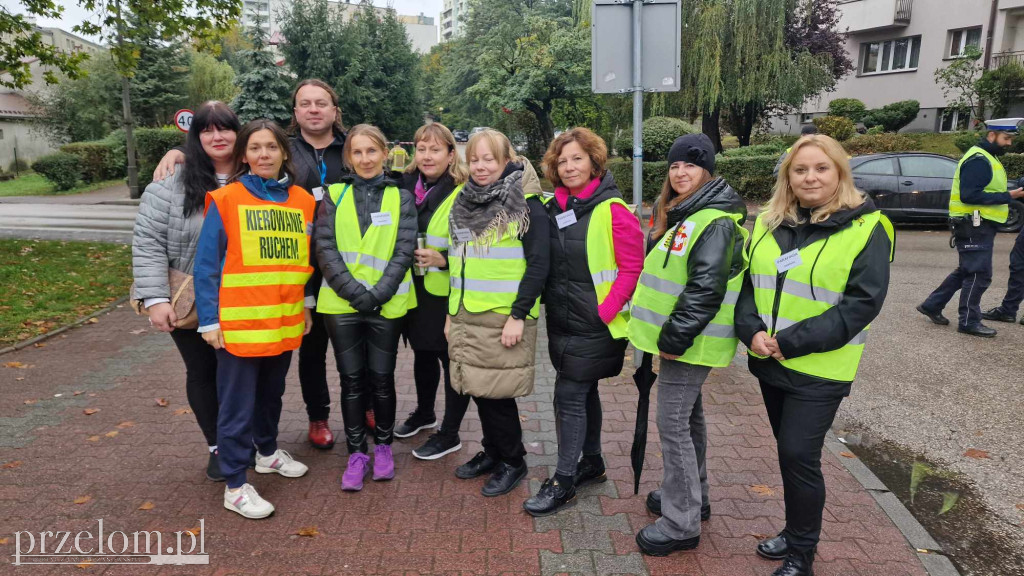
166, 233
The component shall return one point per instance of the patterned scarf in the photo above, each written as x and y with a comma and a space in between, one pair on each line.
492, 211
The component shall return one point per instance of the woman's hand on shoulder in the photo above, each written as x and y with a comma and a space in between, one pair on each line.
167, 164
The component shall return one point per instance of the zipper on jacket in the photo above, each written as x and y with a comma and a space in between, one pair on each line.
780, 279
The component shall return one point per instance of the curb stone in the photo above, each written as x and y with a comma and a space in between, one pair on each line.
928, 550
26, 343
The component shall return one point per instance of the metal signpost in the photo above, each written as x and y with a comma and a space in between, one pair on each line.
635, 47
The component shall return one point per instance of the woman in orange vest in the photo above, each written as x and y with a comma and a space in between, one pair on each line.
252, 267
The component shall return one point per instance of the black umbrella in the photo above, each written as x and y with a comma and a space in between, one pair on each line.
644, 378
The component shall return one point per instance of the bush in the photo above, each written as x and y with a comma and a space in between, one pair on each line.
847, 108
96, 159
62, 169
838, 127
776, 148
885, 142
150, 146
875, 130
1014, 164
659, 134
892, 117
19, 165
751, 176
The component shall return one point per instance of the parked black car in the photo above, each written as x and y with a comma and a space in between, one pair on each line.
913, 187
461, 135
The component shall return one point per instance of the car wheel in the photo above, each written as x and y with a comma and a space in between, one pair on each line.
1015, 219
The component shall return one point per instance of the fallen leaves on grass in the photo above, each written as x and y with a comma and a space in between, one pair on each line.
93, 320
976, 454
761, 490
847, 454
162, 402
82, 499
12, 464
147, 506
308, 531
90, 411
111, 434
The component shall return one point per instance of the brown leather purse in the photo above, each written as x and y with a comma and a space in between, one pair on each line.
183, 300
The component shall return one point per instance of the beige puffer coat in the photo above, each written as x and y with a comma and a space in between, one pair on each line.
481, 366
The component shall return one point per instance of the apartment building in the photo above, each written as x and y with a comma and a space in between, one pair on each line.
453, 16
896, 46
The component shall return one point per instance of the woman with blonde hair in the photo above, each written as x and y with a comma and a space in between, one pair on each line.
819, 271
435, 175
365, 237
498, 262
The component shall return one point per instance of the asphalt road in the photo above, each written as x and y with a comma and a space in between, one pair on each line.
939, 392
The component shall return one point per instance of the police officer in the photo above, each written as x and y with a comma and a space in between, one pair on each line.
1007, 311
978, 202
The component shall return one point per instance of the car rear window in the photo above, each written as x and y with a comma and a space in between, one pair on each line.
927, 167
882, 166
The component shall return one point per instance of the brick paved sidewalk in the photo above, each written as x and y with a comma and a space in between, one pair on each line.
133, 451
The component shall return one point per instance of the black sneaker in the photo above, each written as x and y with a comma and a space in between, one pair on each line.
504, 479
478, 466
935, 317
978, 329
589, 471
655, 543
550, 499
438, 445
997, 315
213, 468
414, 423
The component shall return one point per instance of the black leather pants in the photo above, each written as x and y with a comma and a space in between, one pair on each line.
365, 348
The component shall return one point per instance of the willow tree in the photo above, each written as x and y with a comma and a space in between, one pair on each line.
735, 61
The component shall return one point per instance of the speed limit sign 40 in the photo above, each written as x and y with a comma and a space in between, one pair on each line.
183, 119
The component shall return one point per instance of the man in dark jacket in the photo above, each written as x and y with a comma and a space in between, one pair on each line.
978, 202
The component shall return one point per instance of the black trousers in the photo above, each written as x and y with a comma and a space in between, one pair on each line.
799, 424
313, 370
503, 432
366, 349
200, 380
972, 277
427, 367
1015, 287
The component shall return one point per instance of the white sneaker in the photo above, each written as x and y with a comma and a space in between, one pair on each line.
247, 502
282, 463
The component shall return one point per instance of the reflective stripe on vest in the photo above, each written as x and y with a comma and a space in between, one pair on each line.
810, 289
997, 185
366, 256
601, 260
663, 280
265, 270
487, 279
436, 281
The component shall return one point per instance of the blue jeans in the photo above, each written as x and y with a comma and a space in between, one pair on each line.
578, 417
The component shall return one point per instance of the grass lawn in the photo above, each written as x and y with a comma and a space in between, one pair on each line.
936, 143
32, 184
50, 283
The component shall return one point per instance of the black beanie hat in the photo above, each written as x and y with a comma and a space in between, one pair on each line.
694, 149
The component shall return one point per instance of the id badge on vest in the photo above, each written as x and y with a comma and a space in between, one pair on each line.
381, 218
566, 219
788, 261
318, 193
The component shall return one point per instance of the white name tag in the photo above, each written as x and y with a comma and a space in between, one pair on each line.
318, 193
566, 219
463, 235
788, 261
381, 218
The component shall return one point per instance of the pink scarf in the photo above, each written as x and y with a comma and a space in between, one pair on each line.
421, 190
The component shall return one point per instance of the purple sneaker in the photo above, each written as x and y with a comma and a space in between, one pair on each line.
352, 479
383, 463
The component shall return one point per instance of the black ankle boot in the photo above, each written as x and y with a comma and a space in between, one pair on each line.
797, 564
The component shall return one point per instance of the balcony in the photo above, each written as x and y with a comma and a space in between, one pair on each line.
874, 15
1003, 58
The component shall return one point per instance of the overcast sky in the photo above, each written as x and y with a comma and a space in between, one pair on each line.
73, 14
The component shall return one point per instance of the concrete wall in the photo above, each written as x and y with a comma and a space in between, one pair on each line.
29, 144
423, 36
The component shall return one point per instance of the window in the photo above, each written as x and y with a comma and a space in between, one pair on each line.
953, 120
927, 167
806, 118
961, 39
890, 55
881, 167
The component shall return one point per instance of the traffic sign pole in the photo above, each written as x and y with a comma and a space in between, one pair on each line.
638, 111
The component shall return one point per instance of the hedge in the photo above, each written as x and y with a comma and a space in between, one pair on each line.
96, 159
659, 133
751, 176
150, 146
774, 148
874, 143
838, 127
61, 168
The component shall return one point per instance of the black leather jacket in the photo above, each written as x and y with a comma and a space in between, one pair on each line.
714, 258
368, 197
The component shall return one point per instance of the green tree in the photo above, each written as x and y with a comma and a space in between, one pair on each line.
211, 79
22, 40
959, 82
263, 89
159, 85
1000, 86
83, 108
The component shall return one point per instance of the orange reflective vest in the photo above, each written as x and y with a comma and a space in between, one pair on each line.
266, 267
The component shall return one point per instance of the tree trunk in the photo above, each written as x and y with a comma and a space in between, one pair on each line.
744, 120
710, 126
129, 141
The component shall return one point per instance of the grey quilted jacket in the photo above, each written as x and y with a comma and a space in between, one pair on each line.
163, 237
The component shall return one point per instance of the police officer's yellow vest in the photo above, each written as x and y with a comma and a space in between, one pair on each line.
994, 212
601, 259
487, 279
663, 280
811, 288
366, 256
436, 281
